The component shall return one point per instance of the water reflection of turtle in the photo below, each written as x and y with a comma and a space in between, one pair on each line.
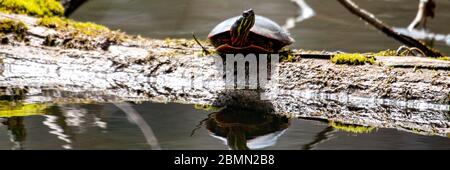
246, 129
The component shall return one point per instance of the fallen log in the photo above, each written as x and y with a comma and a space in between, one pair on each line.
414, 98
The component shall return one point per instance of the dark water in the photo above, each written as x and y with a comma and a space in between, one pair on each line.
332, 28
105, 126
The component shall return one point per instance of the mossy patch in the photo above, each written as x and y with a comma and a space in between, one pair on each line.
18, 28
82, 35
287, 58
286, 55
38, 8
444, 58
352, 59
71, 34
351, 128
64, 24
12, 26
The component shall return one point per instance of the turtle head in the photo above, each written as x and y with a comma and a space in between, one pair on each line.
241, 28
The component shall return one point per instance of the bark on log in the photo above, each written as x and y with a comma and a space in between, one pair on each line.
379, 95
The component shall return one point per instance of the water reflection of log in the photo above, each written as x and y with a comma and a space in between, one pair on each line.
403, 115
58, 125
66, 121
16, 103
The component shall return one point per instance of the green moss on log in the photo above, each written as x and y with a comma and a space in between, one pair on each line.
18, 28
444, 58
12, 26
352, 59
287, 57
64, 24
38, 8
82, 35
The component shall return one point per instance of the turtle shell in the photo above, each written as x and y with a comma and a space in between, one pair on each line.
265, 36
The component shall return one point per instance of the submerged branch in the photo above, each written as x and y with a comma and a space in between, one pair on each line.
425, 9
136, 118
371, 19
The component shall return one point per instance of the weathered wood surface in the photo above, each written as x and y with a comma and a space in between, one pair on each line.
379, 95
414, 62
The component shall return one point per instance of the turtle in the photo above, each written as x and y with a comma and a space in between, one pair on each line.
249, 33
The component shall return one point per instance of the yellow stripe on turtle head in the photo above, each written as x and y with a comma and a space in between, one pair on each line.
241, 29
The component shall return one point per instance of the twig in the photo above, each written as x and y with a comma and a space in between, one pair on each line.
198, 42
371, 19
